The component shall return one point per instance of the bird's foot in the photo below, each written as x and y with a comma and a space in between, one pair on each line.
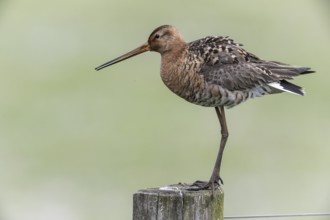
212, 184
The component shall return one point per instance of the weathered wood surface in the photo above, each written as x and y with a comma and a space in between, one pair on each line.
175, 202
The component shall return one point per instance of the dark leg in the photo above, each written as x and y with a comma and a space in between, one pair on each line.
215, 177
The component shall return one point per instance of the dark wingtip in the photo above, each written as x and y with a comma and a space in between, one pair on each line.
305, 70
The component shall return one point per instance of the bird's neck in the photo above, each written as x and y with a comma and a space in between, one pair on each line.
171, 63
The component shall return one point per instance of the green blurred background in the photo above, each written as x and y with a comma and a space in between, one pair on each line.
75, 144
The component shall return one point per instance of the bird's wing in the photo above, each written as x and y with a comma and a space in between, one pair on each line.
241, 76
226, 64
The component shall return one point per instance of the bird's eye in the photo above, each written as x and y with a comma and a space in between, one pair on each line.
157, 36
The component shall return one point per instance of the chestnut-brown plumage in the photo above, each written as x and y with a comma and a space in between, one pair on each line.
215, 72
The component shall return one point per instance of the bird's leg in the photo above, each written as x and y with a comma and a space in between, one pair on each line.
215, 177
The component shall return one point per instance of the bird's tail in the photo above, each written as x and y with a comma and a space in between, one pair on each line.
286, 71
286, 86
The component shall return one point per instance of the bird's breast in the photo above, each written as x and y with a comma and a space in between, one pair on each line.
182, 78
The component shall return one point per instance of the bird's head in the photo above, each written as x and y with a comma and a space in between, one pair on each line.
165, 38
162, 40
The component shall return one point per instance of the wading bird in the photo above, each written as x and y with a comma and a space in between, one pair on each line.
215, 72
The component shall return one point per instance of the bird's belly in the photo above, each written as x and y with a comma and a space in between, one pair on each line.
215, 96
198, 92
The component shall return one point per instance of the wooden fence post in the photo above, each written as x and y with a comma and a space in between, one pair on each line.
175, 202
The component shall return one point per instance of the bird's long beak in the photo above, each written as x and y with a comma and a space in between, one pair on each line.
145, 47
